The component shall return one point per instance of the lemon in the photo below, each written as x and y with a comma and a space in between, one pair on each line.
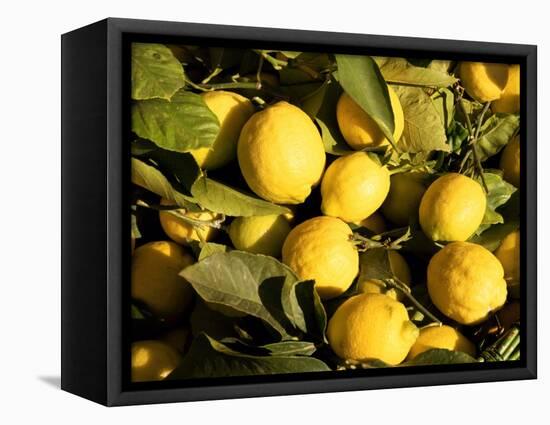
182, 231
359, 129
509, 99
263, 234
153, 360
156, 281
371, 326
320, 249
232, 111
508, 255
466, 282
445, 337
281, 154
509, 162
374, 222
400, 270
403, 200
452, 208
483, 81
354, 187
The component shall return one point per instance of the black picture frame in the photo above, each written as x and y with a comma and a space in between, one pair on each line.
95, 214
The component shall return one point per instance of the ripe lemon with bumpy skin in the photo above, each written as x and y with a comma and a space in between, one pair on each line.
371, 326
400, 270
483, 81
446, 337
375, 223
153, 360
466, 282
406, 191
509, 99
156, 281
359, 129
353, 187
263, 234
508, 255
182, 231
281, 154
510, 162
232, 111
320, 248
452, 208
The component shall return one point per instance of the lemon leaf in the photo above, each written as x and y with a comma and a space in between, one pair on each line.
244, 282
152, 179
401, 71
223, 199
424, 127
361, 79
326, 119
156, 73
499, 193
182, 124
440, 356
210, 248
208, 358
495, 133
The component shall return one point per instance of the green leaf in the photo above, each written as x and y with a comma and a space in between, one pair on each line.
493, 236
495, 133
181, 169
326, 119
209, 248
214, 323
499, 193
156, 73
227, 200
208, 358
291, 348
361, 79
444, 101
424, 130
374, 264
150, 178
303, 307
400, 71
182, 124
440, 356
248, 283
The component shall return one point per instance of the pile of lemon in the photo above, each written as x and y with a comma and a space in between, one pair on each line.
281, 156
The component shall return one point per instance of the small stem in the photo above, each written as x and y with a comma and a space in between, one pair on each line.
405, 290
515, 355
215, 72
180, 212
242, 85
258, 72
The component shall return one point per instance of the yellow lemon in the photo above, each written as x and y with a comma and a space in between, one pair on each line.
403, 200
264, 234
281, 154
466, 282
153, 360
508, 255
400, 269
445, 337
320, 249
510, 162
353, 187
156, 281
359, 129
452, 208
509, 99
182, 231
371, 326
483, 81
232, 111
374, 222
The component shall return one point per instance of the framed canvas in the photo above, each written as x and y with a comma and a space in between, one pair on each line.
252, 212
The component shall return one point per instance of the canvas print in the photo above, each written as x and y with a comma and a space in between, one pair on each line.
300, 212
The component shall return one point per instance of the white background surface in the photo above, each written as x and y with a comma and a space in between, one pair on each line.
30, 225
